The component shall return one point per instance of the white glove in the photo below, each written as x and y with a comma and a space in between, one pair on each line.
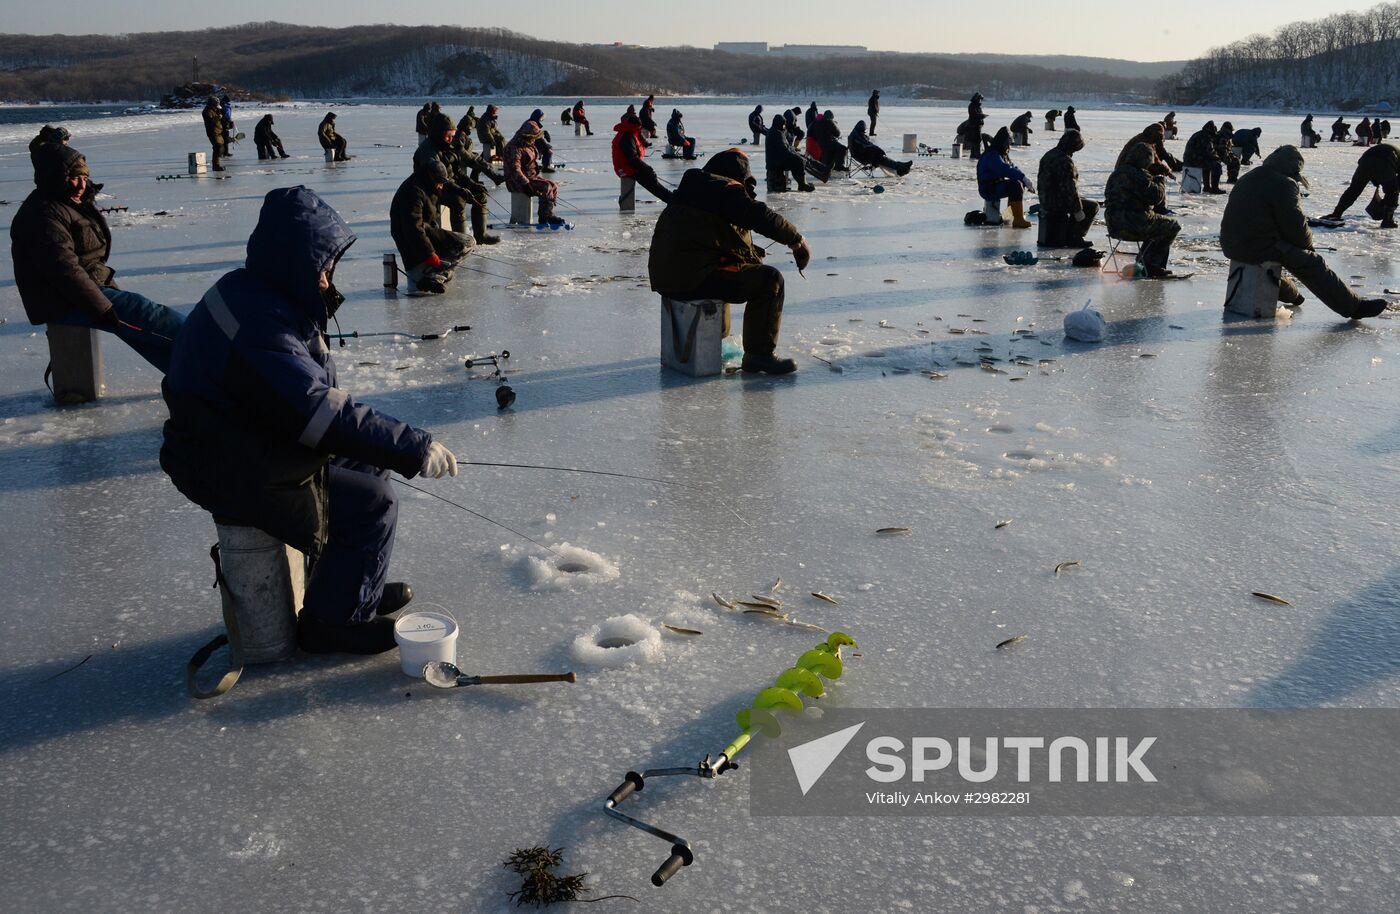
440, 462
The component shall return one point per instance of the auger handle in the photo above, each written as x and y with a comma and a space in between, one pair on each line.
680, 856
527, 677
630, 785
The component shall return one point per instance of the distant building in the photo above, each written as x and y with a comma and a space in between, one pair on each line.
743, 47
822, 50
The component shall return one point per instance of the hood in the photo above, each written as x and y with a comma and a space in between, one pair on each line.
1070, 141
1287, 161
438, 124
630, 123
330, 116
675, 114
858, 130
537, 115
779, 122
758, 109
298, 236
632, 110
828, 115
977, 96
733, 164
1209, 128
528, 133
1140, 156
1002, 141
1069, 110
267, 118
491, 111
468, 122
1155, 133
53, 164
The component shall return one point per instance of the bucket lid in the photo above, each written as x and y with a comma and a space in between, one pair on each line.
424, 627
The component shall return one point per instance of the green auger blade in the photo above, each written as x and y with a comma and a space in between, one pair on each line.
829, 665
760, 719
838, 640
804, 682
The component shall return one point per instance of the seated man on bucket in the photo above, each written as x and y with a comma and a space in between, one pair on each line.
522, 168
702, 248
1264, 221
259, 434
628, 153
1133, 199
330, 140
998, 179
1067, 215
779, 157
429, 252
61, 243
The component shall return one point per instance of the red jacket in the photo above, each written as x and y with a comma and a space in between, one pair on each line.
627, 155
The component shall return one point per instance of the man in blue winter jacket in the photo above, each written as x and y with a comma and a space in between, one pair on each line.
998, 179
260, 435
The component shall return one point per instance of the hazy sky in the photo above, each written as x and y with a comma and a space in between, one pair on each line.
1170, 31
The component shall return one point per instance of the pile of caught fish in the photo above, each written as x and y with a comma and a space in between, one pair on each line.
770, 606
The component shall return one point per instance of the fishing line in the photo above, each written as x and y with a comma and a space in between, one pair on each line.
476, 514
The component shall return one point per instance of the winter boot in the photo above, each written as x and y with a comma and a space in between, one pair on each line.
1018, 215
767, 364
479, 228
1370, 307
903, 168
396, 596
317, 637
431, 285
547, 216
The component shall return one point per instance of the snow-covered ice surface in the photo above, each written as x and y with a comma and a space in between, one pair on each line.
1185, 462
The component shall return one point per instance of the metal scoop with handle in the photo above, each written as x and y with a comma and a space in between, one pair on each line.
444, 675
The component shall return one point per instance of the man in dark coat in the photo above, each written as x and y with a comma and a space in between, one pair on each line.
1379, 165
581, 117
467, 167
260, 435
1131, 203
998, 179
420, 123
1203, 153
703, 248
824, 142
872, 109
1021, 129
779, 155
60, 244
867, 153
1071, 119
493, 142
1067, 215
648, 116
459, 190
430, 253
811, 115
628, 157
269, 144
1164, 164
329, 139
226, 110
1225, 148
214, 130
970, 133
1264, 222
676, 136
1308, 133
1247, 141
1051, 116
756, 124
1341, 130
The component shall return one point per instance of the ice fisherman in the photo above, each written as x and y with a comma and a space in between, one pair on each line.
47, 134
1051, 116
1264, 222
756, 126
1203, 153
1169, 129
1225, 149
1164, 163
214, 130
824, 142
1134, 199
268, 143
1379, 166
260, 435
430, 253
999, 179
522, 170
648, 116
1341, 130
60, 244
1068, 216
1022, 125
493, 142
1071, 119
330, 139
1307, 131
466, 170
629, 154
872, 109
581, 117
1247, 141
226, 110
702, 247
867, 153
676, 136
778, 154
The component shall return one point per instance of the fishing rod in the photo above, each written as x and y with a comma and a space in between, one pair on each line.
477, 514
356, 334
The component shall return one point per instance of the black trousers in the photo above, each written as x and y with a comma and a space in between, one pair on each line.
760, 289
1364, 178
646, 176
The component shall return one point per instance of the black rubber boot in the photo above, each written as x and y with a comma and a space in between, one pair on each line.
396, 596
317, 637
547, 216
479, 227
1370, 307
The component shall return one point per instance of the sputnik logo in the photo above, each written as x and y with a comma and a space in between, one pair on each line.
811, 760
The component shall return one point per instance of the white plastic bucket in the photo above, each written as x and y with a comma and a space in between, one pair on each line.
425, 638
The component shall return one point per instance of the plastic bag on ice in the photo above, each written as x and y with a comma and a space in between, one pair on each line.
1085, 325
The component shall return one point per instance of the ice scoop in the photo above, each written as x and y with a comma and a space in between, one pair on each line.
444, 675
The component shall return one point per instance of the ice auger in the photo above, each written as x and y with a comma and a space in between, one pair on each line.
785, 695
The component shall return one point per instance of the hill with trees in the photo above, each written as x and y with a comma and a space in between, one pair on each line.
1345, 61
387, 60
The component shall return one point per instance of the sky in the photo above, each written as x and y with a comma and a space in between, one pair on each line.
1174, 31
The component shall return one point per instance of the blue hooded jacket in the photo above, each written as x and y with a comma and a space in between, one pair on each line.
255, 414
